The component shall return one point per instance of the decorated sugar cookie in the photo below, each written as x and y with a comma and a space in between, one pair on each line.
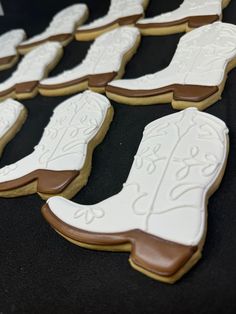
160, 215
195, 77
190, 14
8, 43
61, 163
23, 83
121, 12
12, 117
105, 61
61, 28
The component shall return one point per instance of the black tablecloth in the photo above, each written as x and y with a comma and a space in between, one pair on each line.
42, 273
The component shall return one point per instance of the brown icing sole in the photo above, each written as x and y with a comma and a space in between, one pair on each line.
179, 26
96, 82
50, 183
28, 90
91, 34
180, 96
184, 25
157, 258
8, 62
8, 136
154, 257
76, 86
64, 39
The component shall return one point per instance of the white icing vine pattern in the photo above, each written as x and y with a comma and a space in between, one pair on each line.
69, 131
210, 163
107, 52
89, 214
151, 156
182, 182
178, 162
205, 52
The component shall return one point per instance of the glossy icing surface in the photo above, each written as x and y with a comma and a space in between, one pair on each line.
118, 9
201, 58
186, 9
105, 55
179, 159
33, 66
63, 22
63, 145
9, 113
9, 41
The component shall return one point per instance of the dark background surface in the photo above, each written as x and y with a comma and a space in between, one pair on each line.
40, 272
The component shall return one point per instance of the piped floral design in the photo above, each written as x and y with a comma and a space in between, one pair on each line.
89, 213
150, 156
209, 164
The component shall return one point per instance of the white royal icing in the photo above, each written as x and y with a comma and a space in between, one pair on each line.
201, 58
186, 9
9, 41
105, 55
118, 9
64, 143
63, 22
179, 159
9, 113
34, 65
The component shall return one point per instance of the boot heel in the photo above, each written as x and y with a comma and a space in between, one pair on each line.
193, 93
157, 257
129, 19
197, 21
25, 88
54, 182
101, 80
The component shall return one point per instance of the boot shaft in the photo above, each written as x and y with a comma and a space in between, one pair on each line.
179, 158
106, 53
34, 64
73, 124
203, 54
